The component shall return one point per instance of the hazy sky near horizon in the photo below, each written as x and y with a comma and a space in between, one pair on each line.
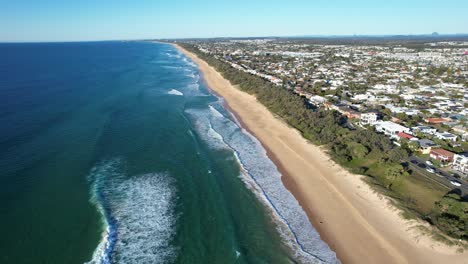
64, 20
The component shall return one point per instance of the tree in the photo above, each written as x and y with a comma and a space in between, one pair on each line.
357, 150
451, 215
397, 154
402, 116
393, 175
387, 113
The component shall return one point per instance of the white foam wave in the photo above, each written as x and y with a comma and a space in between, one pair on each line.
139, 214
189, 62
215, 112
262, 177
176, 55
194, 87
194, 76
171, 67
205, 130
191, 74
175, 92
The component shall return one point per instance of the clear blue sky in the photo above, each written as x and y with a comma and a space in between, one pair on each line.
70, 20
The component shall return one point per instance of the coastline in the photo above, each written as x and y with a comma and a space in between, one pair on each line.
360, 225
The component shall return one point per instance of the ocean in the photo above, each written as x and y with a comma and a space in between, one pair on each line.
117, 152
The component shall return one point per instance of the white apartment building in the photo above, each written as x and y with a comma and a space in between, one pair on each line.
460, 163
368, 118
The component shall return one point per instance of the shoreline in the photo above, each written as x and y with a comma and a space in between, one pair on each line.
287, 181
357, 223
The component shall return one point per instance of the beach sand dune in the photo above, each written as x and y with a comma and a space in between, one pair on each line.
360, 225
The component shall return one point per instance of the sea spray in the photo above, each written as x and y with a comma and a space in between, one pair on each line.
138, 214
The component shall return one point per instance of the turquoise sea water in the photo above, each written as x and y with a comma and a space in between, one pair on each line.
116, 152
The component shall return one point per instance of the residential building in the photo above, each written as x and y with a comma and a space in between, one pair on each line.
436, 120
462, 131
369, 118
426, 145
403, 135
460, 163
442, 155
317, 100
348, 112
424, 130
390, 128
446, 136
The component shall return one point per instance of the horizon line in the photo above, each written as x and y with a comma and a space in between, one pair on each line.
433, 35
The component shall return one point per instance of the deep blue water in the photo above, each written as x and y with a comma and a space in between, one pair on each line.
116, 152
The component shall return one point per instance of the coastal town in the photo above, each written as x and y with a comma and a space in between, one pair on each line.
417, 95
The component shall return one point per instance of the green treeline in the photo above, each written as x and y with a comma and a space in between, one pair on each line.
362, 151
451, 215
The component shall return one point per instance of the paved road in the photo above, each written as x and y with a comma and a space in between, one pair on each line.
439, 176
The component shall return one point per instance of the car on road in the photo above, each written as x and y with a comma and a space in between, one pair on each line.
428, 162
422, 165
431, 170
456, 183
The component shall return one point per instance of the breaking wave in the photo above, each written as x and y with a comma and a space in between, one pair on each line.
263, 178
189, 62
138, 214
192, 83
175, 92
176, 54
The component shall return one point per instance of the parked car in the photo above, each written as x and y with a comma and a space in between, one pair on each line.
428, 162
431, 170
456, 183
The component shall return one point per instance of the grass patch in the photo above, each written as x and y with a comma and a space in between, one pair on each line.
422, 193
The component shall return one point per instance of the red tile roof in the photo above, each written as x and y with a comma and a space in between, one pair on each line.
404, 135
436, 120
443, 152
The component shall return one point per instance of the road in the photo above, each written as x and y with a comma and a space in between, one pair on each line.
439, 176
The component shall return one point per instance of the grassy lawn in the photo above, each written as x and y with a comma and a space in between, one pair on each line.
421, 193
367, 161
417, 192
422, 156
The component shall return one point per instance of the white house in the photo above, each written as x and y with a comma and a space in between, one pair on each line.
363, 97
390, 128
446, 136
317, 100
368, 118
460, 163
394, 109
424, 129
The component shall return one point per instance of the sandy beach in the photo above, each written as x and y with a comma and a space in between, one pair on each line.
360, 225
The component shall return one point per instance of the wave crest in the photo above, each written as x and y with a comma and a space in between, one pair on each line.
175, 92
